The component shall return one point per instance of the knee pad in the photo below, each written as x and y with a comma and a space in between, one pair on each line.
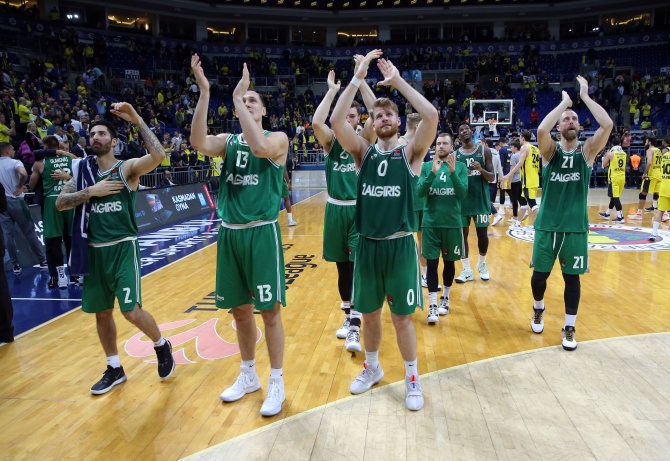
539, 277
532, 204
571, 280
642, 196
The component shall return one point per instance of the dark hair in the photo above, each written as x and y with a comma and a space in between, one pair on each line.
515, 143
4, 146
464, 123
667, 139
652, 140
443, 134
616, 140
105, 123
51, 142
356, 105
527, 135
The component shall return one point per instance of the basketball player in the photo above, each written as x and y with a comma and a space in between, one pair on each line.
529, 163
250, 260
444, 183
411, 123
650, 178
562, 224
340, 236
57, 224
106, 189
386, 263
616, 179
664, 190
513, 184
477, 204
286, 196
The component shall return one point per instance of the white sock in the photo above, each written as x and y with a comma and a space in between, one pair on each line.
655, 202
160, 342
466, 264
290, 216
248, 366
619, 214
411, 368
423, 271
570, 320
276, 373
609, 211
114, 361
345, 305
482, 260
539, 304
372, 359
656, 224
433, 298
445, 291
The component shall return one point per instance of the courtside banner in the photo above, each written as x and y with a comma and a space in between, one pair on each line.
157, 207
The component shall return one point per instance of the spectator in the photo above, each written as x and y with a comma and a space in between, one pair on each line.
167, 181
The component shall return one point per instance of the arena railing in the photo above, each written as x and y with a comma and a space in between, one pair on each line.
180, 175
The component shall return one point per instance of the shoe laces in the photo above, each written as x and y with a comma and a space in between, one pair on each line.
537, 316
413, 385
353, 336
432, 311
366, 374
569, 334
274, 389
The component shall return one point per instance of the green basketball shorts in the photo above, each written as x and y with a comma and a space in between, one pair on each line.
481, 220
56, 223
440, 240
340, 237
571, 248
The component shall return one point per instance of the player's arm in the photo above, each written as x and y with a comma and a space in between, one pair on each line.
36, 175
428, 173
648, 163
212, 146
136, 167
523, 154
607, 158
287, 179
598, 141
322, 132
459, 177
487, 172
544, 141
70, 197
347, 137
273, 146
427, 129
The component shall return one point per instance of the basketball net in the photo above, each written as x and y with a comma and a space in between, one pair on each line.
492, 127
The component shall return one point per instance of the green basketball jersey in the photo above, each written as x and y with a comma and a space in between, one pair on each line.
250, 188
443, 193
112, 217
341, 177
617, 164
565, 187
385, 202
478, 200
51, 164
420, 200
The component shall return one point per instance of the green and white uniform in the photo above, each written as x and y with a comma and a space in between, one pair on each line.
114, 255
340, 236
442, 222
477, 204
250, 260
562, 224
386, 263
56, 223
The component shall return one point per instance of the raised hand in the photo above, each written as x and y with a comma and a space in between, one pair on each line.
389, 71
125, 111
566, 98
451, 162
199, 74
105, 187
332, 86
437, 164
243, 85
583, 87
362, 67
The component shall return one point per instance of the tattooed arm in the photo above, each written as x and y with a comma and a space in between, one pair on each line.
70, 197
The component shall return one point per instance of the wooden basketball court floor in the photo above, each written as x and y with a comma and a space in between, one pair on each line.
493, 389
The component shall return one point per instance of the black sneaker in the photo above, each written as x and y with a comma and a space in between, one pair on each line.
650, 209
17, 269
75, 280
44, 266
165, 360
110, 378
53, 282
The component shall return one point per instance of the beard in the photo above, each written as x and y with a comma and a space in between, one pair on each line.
101, 149
569, 134
386, 132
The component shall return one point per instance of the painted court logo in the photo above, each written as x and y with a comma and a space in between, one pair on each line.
611, 237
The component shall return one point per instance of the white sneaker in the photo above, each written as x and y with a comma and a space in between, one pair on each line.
515, 223
525, 215
62, 278
275, 398
636, 216
466, 276
344, 329
413, 393
366, 379
537, 322
433, 316
443, 308
666, 216
353, 342
483, 272
424, 282
292, 222
497, 219
246, 383
569, 340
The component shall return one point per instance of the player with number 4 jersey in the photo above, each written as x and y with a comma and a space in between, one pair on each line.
562, 224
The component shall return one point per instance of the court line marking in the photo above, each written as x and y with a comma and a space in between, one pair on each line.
46, 299
75, 309
371, 393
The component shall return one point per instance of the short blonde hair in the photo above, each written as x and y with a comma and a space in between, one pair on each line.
385, 103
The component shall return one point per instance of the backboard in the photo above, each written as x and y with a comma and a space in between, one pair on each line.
482, 110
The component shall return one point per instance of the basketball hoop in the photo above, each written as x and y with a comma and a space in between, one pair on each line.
492, 127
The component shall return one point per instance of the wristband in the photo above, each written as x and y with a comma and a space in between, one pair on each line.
356, 81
